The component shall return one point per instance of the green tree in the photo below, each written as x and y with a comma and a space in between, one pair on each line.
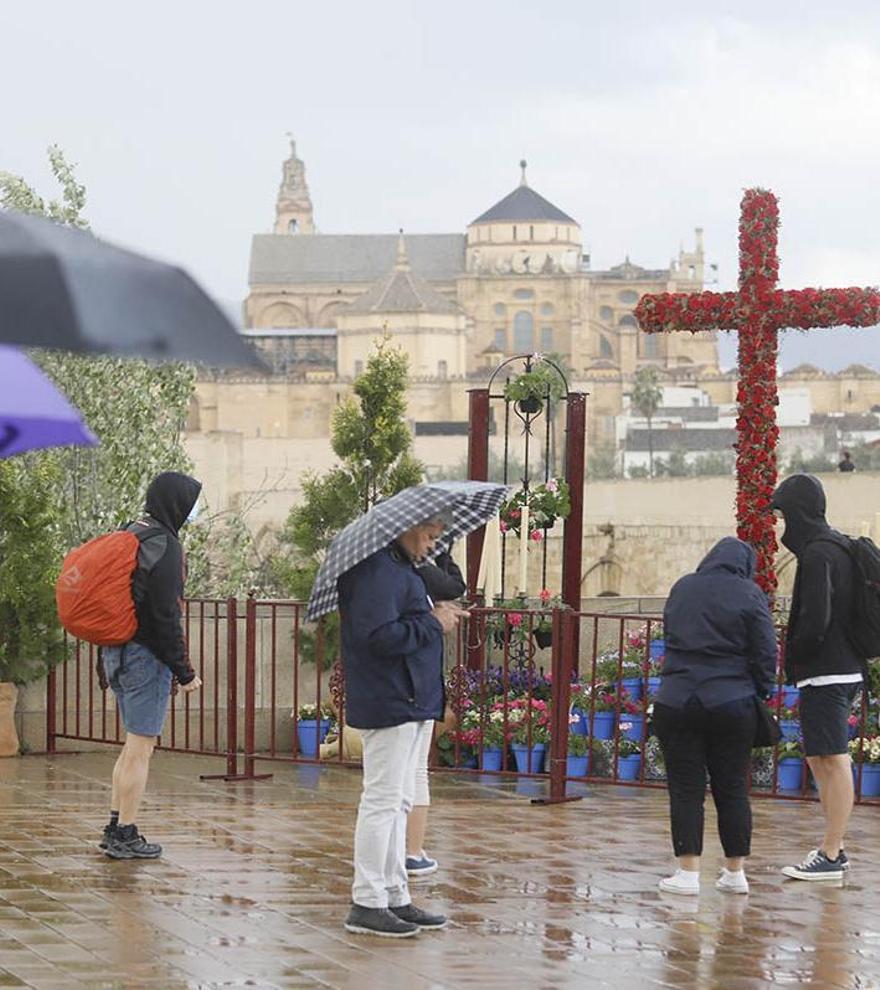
646, 397
370, 437
819, 463
716, 463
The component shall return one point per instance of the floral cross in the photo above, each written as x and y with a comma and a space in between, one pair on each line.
758, 311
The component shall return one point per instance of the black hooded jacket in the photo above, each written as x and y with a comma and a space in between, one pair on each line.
720, 637
157, 587
442, 577
821, 605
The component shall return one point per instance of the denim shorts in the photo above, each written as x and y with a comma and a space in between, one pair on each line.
142, 685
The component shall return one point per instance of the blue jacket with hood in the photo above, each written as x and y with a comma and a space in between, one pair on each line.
720, 637
392, 647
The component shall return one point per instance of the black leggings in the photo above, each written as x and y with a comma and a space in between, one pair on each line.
694, 739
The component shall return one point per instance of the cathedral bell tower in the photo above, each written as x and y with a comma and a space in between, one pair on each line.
293, 209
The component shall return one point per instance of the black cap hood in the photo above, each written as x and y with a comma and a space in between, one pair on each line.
170, 498
730, 554
801, 500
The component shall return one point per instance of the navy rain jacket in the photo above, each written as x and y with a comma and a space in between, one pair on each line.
720, 637
392, 647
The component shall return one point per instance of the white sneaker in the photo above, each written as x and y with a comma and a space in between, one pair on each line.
735, 883
681, 882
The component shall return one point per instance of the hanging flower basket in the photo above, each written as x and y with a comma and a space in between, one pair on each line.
547, 502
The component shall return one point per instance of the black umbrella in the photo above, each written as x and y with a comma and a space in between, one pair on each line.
65, 289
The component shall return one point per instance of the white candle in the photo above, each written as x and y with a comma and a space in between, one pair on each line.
524, 550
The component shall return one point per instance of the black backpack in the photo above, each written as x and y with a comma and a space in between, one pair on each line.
864, 630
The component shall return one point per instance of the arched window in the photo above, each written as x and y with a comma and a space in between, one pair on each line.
606, 313
523, 332
605, 349
627, 321
650, 345
292, 226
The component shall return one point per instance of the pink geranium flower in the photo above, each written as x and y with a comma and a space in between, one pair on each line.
537, 536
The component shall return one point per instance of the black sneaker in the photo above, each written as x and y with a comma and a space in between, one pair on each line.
424, 919
378, 921
817, 866
107, 837
128, 843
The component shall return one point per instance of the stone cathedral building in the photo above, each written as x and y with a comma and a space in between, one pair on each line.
516, 280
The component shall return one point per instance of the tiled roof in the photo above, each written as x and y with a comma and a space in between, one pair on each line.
523, 204
285, 258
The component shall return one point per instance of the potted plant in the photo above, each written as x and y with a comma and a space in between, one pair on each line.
312, 725
789, 721
30, 637
865, 753
789, 766
629, 759
577, 763
547, 502
529, 723
600, 710
532, 387
494, 743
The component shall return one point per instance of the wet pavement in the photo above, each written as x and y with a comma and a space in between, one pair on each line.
254, 885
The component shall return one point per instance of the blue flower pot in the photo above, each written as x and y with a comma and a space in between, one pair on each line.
653, 686
658, 648
790, 696
310, 734
790, 728
789, 773
634, 686
628, 767
576, 725
521, 755
635, 727
469, 763
492, 759
870, 779
603, 724
577, 766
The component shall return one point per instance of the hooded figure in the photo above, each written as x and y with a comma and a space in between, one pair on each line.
816, 644
720, 654
157, 587
720, 638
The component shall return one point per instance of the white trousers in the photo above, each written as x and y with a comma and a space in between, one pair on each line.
390, 759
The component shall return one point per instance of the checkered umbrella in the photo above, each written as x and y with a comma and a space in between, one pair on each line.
470, 503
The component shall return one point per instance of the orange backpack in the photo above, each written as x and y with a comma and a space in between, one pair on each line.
93, 591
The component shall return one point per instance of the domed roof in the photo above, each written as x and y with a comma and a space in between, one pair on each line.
401, 291
524, 204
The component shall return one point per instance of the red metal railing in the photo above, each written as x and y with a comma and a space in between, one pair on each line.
514, 701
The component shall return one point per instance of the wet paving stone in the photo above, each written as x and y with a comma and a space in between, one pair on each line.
255, 882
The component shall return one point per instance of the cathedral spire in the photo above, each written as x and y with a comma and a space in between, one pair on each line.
293, 208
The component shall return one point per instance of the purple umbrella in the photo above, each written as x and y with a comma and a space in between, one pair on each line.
33, 413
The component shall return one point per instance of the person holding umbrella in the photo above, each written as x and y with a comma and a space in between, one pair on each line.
392, 656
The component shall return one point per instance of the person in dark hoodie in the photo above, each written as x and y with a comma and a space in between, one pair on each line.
444, 583
140, 672
821, 661
721, 653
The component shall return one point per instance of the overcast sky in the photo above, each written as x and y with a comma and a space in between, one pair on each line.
642, 123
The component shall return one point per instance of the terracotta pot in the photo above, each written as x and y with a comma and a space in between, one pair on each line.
9, 745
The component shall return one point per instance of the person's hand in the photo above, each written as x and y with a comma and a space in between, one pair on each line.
192, 685
448, 616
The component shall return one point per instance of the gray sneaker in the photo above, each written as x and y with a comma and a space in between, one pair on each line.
817, 866
378, 921
128, 843
424, 919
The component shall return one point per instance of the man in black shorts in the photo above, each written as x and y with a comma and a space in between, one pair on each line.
821, 661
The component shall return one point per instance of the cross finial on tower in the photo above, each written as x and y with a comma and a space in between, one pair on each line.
402, 264
522, 165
